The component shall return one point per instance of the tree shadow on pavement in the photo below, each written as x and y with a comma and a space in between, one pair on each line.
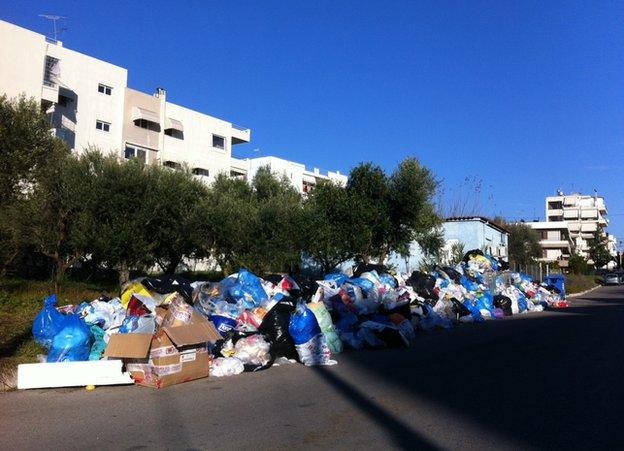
547, 380
399, 432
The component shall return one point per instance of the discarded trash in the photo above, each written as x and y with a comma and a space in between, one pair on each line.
166, 330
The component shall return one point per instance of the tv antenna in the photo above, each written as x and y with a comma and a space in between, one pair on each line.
54, 18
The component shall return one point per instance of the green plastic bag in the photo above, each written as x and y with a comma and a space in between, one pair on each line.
327, 326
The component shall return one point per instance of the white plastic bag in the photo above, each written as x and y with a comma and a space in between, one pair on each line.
226, 366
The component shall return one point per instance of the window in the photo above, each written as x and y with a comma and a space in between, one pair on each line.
101, 125
174, 133
105, 89
135, 152
218, 142
64, 101
148, 125
201, 171
173, 165
51, 72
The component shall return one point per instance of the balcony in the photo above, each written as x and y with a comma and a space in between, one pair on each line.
555, 244
50, 87
240, 134
555, 211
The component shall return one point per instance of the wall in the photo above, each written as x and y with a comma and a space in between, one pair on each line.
81, 74
473, 234
22, 57
133, 134
196, 148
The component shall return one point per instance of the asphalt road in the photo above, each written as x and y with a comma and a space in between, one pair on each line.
545, 380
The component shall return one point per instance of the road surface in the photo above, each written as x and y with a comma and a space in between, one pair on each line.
545, 380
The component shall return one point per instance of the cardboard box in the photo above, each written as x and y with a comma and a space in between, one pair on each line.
170, 356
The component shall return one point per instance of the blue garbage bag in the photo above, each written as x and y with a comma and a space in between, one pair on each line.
468, 284
522, 303
388, 279
222, 323
98, 346
474, 311
252, 285
486, 302
365, 284
48, 322
73, 342
303, 325
338, 277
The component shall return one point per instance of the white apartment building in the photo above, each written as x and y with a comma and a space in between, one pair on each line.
158, 131
555, 241
300, 177
89, 104
584, 215
83, 96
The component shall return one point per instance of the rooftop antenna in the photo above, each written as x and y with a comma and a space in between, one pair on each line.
54, 18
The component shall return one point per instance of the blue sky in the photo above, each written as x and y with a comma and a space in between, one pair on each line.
525, 97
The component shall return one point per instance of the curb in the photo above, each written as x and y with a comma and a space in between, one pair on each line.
583, 292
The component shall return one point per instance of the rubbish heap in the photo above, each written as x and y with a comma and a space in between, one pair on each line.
168, 330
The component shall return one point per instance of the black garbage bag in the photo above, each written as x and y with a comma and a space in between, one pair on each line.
421, 280
503, 303
502, 264
404, 310
378, 335
452, 273
553, 289
170, 284
234, 336
459, 308
367, 267
423, 285
275, 327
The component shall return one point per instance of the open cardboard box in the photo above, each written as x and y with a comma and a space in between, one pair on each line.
171, 356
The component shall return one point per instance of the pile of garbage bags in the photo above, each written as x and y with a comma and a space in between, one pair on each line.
255, 323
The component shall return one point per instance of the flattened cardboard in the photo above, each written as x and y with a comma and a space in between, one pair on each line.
199, 331
130, 346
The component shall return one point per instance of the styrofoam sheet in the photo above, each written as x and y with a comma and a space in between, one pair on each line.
71, 374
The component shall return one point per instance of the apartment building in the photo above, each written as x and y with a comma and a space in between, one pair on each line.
300, 177
555, 241
89, 103
158, 131
584, 215
82, 96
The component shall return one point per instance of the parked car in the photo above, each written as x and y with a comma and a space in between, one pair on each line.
612, 279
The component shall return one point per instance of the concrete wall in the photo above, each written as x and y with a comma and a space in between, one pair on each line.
22, 57
133, 134
196, 150
81, 75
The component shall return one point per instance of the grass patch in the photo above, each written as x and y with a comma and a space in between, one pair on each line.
577, 283
20, 301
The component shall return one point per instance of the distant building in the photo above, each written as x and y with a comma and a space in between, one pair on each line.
300, 177
475, 232
585, 215
555, 241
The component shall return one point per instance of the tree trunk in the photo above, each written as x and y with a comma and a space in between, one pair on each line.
124, 273
173, 265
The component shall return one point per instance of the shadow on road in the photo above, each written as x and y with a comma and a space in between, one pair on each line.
546, 380
399, 432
